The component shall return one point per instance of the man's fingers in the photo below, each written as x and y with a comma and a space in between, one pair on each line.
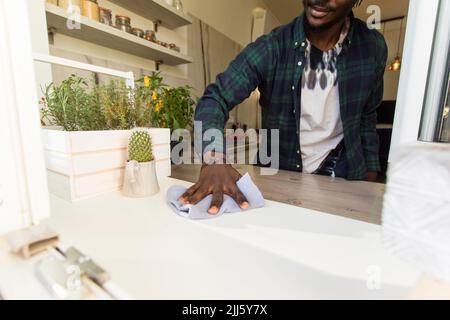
216, 202
240, 199
198, 196
189, 192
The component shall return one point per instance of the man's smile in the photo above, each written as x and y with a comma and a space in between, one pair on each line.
318, 12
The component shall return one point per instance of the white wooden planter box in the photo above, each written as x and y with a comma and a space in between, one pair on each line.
84, 164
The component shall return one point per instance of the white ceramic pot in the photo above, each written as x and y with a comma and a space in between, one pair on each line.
140, 180
85, 164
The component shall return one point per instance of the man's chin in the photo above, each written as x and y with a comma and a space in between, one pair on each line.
319, 24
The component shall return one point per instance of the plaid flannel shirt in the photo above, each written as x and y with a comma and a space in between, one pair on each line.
274, 65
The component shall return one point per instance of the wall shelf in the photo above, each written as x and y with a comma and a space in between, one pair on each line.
156, 10
110, 37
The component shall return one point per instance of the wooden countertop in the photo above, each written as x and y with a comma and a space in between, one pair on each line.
357, 200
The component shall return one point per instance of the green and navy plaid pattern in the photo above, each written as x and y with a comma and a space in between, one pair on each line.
274, 65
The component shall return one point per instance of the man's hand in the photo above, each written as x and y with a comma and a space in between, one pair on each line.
216, 179
372, 176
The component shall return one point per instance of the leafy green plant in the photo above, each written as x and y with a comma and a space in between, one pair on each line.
77, 105
175, 109
169, 107
114, 99
142, 107
72, 106
140, 147
146, 93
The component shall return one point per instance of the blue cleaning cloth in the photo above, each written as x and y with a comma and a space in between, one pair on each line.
200, 210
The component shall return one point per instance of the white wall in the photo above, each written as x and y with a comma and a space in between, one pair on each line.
233, 18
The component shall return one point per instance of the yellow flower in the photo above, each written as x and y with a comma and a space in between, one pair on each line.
159, 106
154, 96
147, 81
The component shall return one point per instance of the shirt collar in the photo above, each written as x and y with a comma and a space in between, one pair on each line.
300, 35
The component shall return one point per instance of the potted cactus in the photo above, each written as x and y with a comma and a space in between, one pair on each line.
140, 173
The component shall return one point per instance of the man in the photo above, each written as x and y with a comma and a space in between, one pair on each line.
321, 82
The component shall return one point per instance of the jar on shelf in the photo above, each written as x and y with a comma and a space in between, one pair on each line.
90, 9
150, 35
178, 5
67, 4
174, 47
138, 32
105, 16
123, 23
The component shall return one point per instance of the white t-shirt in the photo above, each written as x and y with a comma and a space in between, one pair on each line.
321, 127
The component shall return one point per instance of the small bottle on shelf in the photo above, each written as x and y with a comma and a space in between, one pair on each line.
69, 5
106, 16
91, 10
123, 23
150, 35
138, 32
178, 5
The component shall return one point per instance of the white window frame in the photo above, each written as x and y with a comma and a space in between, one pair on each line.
437, 84
422, 17
24, 199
